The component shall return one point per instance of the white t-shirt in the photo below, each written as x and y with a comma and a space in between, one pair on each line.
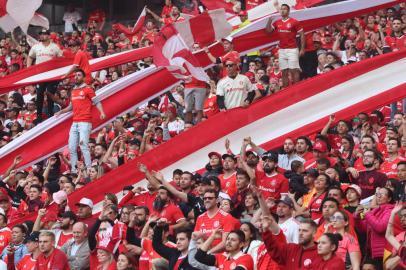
235, 91
176, 126
3, 265
290, 229
71, 18
43, 53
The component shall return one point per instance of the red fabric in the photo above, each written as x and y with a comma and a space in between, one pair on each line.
253, 3
170, 212
81, 99
225, 263
228, 185
390, 167
26, 263
202, 29
5, 237
57, 260
206, 224
396, 43
334, 263
273, 185
264, 260
210, 4
287, 31
82, 60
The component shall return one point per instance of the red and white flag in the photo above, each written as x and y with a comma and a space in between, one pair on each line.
170, 51
205, 28
18, 13
140, 22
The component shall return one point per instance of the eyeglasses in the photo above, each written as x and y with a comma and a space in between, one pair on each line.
208, 198
230, 65
336, 218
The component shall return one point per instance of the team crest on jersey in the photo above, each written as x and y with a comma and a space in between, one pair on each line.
288, 25
318, 201
273, 182
307, 262
233, 266
216, 224
371, 180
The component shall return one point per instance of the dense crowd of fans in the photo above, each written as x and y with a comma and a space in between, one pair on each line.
332, 200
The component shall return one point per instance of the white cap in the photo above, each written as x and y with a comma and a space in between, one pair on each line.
85, 201
228, 38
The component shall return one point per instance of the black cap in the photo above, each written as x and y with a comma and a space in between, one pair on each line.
270, 155
128, 188
135, 142
287, 201
69, 214
228, 156
44, 32
33, 237
251, 153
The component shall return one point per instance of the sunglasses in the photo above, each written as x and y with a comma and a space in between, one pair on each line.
230, 65
336, 218
208, 198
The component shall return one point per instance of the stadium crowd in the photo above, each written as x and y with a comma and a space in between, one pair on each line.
332, 200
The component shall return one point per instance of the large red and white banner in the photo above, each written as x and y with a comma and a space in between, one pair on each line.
20, 13
246, 39
302, 109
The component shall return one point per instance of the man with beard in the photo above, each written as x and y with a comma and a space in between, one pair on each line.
367, 143
63, 233
270, 183
370, 179
288, 224
251, 157
141, 215
303, 145
285, 160
389, 166
228, 178
214, 219
232, 259
43, 52
81, 105
167, 211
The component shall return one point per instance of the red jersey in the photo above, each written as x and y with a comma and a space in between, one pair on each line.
264, 260
82, 104
82, 60
287, 31
225, 262
171, 212
396, 43
272, 185
166, 11
29, 118
57, 260
221, 219
210, 107
228, 185
390, 167
171, 20
63, 238
146, 199
335, 141
334, 263
5, 236
315, 205
149, 254
275, 75
26, 263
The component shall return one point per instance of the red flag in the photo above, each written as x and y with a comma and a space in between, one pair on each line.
140, 22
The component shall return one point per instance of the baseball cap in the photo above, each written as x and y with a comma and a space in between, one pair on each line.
214, 154
59, 196
320, 146
251, 153
286, 200
228, 156
355, 187
86, 202
44, 32
270, 155
4, 197
228, 38
33, 237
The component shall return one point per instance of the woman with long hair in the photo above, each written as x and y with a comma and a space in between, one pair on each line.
126, 261
348, 248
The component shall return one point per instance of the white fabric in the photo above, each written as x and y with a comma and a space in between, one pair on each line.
235, 90
43, 53
70, 19
20, 12
290, 229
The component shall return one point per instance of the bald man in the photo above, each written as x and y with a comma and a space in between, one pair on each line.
77, 249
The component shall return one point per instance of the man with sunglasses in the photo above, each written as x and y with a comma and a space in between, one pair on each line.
214, 219
236, 89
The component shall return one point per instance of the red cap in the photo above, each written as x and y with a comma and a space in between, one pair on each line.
320, 146
214, 154
232, 58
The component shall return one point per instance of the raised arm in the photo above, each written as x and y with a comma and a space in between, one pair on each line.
327, 126
151, 179
179, 194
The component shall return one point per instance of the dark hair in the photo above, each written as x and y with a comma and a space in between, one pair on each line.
324, 161
215, 180
213, 191
370, 137
80, 71
177, 172
112, 197
240, 234
329, 199
379, 114
192, 177
390, 194
403, 162
334, 239
350, 140
142, 207
132, 262
328, 179
286, 5
38, 187
21, 227
186, 231
337, 188
296, 164
396, 140
101, 145
253, 230
307, 141
244, 173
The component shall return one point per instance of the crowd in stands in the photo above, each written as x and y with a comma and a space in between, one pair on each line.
332, 200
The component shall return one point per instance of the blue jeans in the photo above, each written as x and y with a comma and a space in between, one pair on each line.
79, 136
